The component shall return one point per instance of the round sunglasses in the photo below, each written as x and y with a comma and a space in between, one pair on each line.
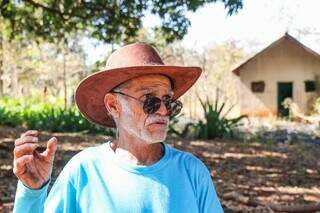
152, 104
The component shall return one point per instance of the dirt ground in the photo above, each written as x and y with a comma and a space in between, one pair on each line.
250, 177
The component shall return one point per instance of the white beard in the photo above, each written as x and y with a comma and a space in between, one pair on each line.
144, 135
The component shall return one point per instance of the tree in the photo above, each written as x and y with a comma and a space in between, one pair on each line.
217, 62
107, 20
37, 69
111, 21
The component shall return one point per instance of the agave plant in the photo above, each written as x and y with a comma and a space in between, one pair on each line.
183, 132
216, 124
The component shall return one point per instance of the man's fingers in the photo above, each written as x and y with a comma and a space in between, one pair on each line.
30, 132
19, 165
52, 145
25, 139
24, 149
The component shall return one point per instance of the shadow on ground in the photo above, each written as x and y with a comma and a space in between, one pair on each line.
248, 177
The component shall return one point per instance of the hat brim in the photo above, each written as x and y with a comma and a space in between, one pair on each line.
90, 93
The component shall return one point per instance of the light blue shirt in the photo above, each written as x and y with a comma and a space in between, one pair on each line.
97, 180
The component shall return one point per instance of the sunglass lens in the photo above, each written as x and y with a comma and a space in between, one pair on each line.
151, 105
167, 102
175, 109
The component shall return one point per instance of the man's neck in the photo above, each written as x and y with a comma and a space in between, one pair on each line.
136, 151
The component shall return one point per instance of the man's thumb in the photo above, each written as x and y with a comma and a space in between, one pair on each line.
52, 145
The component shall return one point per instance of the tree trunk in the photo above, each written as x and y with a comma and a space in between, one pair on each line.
64, 74
1, 66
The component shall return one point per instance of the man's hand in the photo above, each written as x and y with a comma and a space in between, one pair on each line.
31, 167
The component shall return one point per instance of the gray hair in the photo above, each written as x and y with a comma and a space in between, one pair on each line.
117, 88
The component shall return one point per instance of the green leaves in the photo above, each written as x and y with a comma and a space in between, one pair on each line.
216, 124
111, 21
45, 116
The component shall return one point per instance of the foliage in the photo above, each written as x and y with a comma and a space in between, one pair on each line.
183, 132
9, 118
31, 67
113, 22
109, 21
216, 123
217, 61
45, 116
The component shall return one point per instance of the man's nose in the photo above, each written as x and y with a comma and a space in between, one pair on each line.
162, 110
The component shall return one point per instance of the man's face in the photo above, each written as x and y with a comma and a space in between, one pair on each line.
151, 128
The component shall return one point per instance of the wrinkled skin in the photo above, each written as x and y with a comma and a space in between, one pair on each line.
31, 167
140, 133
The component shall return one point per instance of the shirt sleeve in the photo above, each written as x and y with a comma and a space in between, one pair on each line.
61, 198
29, 200
208, 200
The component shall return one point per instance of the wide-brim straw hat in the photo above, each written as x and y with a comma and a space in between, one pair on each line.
128, 62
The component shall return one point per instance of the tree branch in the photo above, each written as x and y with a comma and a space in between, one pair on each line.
3, 4
49, 9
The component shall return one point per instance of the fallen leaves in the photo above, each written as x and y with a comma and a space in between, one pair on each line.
248, 177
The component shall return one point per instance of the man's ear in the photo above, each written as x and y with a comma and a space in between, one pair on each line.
112, 105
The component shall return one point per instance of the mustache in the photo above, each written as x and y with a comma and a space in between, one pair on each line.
157, 118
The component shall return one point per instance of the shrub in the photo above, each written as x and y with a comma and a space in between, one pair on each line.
45, 116
216, 124
183, 131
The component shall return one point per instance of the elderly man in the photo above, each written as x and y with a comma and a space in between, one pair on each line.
136, 172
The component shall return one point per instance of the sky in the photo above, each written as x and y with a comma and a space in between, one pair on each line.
258, 24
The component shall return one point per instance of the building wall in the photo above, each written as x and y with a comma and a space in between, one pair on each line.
285, 62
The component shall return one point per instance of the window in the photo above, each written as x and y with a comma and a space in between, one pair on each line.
258, 86
310, 86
